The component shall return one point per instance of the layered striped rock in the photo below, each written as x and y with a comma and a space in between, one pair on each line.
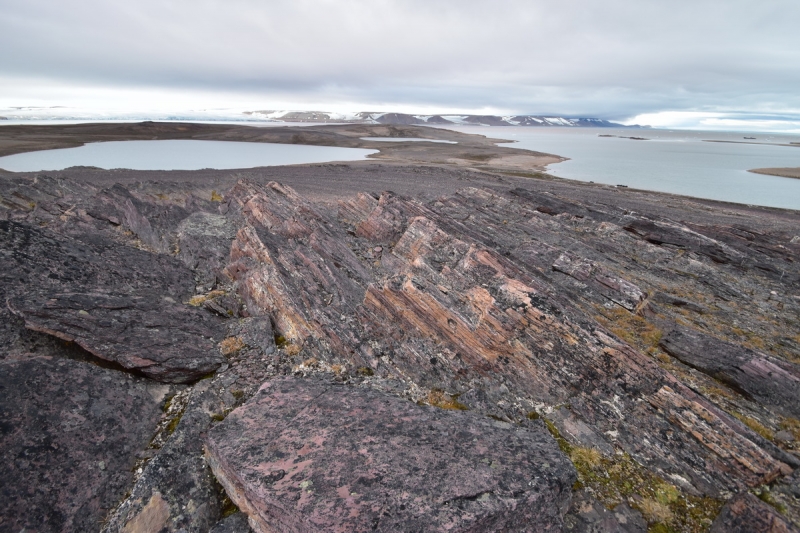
421, 293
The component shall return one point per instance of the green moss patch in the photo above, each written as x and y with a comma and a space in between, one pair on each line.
618, 479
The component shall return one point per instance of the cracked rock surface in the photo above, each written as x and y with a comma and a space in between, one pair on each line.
69, 438
309, 456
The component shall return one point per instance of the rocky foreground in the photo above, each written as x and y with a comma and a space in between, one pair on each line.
507, 355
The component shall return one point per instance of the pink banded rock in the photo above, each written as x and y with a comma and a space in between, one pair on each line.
306, 456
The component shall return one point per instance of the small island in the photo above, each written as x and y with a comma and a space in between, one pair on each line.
781, 172
624, 137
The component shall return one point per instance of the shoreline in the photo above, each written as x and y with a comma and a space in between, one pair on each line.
473, 152
467, 150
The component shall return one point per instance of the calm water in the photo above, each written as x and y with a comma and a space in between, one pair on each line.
178, 155
671, 161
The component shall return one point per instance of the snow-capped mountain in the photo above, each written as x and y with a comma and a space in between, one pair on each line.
407, 119
59, 113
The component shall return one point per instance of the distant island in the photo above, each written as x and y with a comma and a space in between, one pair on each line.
781, 172
624, 137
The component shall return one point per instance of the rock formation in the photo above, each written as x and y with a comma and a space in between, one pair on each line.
595, 358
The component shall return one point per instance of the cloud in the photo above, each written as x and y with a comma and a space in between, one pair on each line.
614, 59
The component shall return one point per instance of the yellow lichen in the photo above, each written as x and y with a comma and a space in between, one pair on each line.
755, 425
199, 299
620, 479
442, 400
655, 511
231, 345
631, 328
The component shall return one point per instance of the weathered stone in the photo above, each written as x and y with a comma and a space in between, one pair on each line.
306, 455
165, 340
682, 303
747, 514
587, 515
661, 233
444, 297
770, 380
35, 262
178, 476
204, 243
235, 523
606, 283
578, 431
785, 494
69, 437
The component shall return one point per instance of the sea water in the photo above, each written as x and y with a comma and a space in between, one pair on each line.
679, 162
178, 155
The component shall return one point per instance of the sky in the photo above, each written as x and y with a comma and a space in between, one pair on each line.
677, 63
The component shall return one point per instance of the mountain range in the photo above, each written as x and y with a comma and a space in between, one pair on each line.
366, 117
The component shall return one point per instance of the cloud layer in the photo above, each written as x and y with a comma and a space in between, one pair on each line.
613, 59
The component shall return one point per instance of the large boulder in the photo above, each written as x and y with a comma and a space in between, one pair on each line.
305, 455
69, 436
769, 380
164, 339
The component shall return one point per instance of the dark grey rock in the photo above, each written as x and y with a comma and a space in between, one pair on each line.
662, 233
235, 523
576, 430
608, 284
770, 380
70, 433
587, 515
165, 340
189, 497
682, 303
257, 332
747, 514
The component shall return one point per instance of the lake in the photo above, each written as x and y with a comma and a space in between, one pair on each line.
179, 155
677, 162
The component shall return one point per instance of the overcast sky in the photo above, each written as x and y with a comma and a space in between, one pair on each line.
622, 60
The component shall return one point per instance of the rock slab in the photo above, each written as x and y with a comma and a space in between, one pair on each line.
305, 456
165, 340
746, 513
69, 435
770, 380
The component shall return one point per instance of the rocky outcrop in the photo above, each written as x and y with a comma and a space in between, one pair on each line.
70, 435
654, 340
662, 233
771, 381
310, 456
121, 304
235, 523
153, 334
419, 294
178, 477
746, 513
613, 287
587, 515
